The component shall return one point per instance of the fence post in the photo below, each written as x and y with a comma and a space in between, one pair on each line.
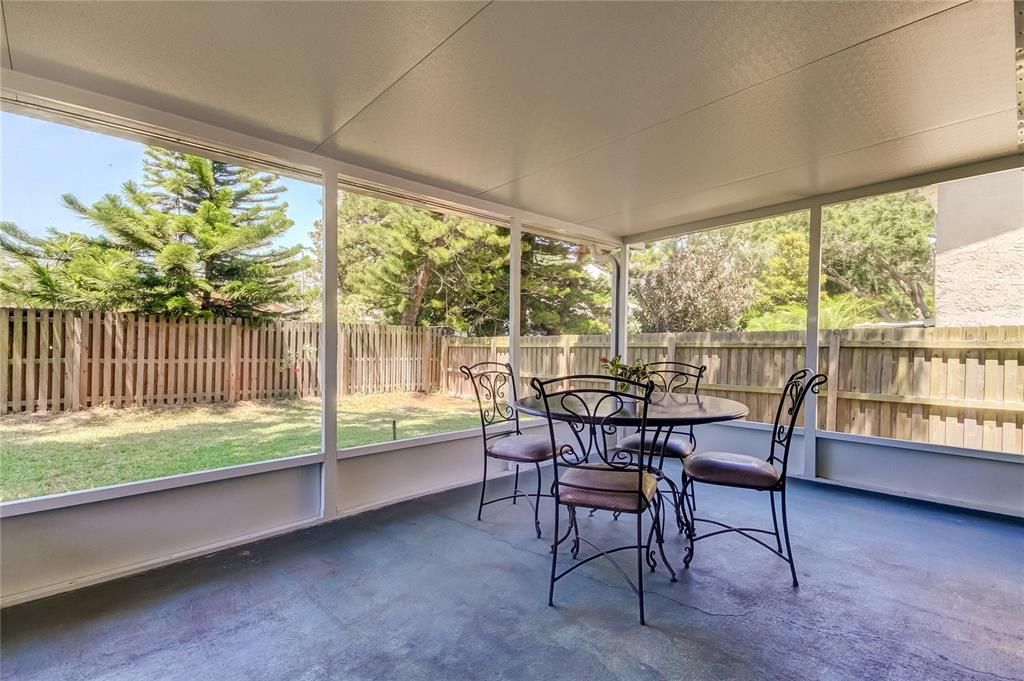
342, 360
443, 368
670, 351
566, 364
425, 344
435, 359
85, 345
234, 362
5, 392
32, 318
72, 361
832, 401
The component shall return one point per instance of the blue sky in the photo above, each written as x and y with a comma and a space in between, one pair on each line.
40, 160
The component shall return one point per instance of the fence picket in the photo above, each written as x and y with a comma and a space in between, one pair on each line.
31, 350
73, 363
5, 361
44, 361
17, 360
57, 362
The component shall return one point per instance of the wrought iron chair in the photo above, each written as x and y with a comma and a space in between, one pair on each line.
492, 381
592, 472
673, 377
750, 472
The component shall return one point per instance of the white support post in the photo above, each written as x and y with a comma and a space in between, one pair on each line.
810, 468
329, 349
620, 302
515, 281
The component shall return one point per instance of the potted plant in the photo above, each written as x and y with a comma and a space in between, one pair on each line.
637, 371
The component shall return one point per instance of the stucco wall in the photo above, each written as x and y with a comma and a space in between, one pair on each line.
979, 251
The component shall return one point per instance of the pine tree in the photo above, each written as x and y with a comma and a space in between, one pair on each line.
194, 239
404, 265
564, 290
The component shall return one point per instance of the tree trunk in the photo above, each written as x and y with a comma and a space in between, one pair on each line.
840, 280
207, 294
417, 293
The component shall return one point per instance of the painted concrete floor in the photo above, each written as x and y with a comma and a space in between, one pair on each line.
889, 590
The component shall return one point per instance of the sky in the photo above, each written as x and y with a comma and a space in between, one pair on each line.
40, 161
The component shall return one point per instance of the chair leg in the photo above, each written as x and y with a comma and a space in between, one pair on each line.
677, 501
640, 565
659, 525
536, 505
775, 522
649, 552
554, 559
515, 487
689, 507
690, 533
785, 530
682, 499
574, 548
483, 488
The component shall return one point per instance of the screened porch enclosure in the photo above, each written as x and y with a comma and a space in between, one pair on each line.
256, 257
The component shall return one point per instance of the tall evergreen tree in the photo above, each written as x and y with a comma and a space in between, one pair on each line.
195, 238
404, 265
564, 290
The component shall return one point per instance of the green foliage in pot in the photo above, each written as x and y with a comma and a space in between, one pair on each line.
637, 371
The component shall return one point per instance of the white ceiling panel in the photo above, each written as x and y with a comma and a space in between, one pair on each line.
527, 85
951, 67
961, 143
289, 72
624, 116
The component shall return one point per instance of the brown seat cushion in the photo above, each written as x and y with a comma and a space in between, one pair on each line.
726, 468
678, 445
591, 483
524, 448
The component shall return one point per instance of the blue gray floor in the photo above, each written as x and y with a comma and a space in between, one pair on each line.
889, 590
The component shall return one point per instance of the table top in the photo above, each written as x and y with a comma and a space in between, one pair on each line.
667, 409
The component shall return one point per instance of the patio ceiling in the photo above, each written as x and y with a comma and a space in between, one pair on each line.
625, 117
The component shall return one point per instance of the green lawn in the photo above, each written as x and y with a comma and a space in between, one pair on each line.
47, 454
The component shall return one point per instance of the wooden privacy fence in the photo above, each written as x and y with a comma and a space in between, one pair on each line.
377, 358
954, 386
541, 356
962, 387
54, 360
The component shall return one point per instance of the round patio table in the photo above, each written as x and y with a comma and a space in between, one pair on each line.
666, 412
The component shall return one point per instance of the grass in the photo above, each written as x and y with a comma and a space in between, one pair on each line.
48, 454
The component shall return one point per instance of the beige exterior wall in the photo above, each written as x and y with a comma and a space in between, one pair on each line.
979, 251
